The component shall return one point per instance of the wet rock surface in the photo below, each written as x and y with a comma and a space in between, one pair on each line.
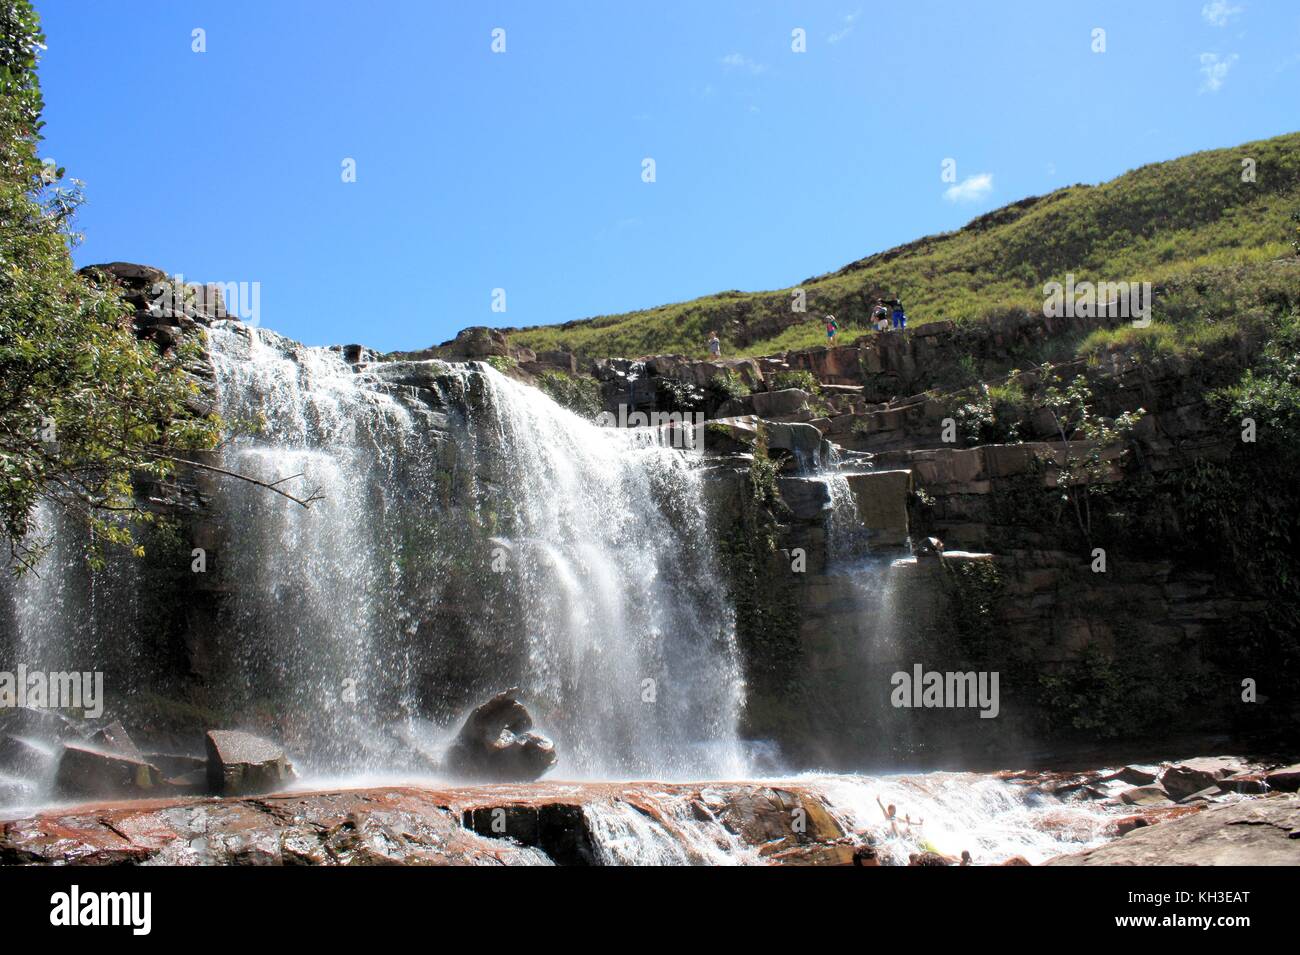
816, 821
1251, 832
542, 824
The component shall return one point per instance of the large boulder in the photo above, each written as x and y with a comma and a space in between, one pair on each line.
1286, 779
496, 743
803, 441
88, 771
1153, 795
241, 764
32, 723
778, 404
1193, 775
114, 738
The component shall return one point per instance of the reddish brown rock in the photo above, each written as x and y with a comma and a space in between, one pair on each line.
1286, 779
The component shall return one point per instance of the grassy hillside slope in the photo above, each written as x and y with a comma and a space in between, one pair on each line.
1162, 223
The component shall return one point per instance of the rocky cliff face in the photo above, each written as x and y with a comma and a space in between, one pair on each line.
809, 566
1162, 632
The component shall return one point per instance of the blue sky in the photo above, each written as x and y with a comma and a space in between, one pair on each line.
522, 170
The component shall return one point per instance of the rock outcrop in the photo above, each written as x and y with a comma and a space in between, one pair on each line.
497, 744
1252, 832
482, 825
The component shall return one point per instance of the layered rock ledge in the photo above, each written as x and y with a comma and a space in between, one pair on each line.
1255, 832
538, 824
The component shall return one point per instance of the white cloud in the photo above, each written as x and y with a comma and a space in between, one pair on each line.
970, 189
1217, 13
1214, 70
845, 30
738, 61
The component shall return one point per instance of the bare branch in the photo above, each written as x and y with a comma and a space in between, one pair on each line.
314, 496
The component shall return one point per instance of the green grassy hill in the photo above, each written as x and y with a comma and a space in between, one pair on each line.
1164, 223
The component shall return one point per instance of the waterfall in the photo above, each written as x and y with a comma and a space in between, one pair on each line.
870, 640
468, 534
308, 581
580, 565
630, 636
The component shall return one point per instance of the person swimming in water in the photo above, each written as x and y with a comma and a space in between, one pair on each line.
891, 814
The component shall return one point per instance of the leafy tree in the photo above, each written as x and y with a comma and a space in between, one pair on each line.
1075, 419
84, 404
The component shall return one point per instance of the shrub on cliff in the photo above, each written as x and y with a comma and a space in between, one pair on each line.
579, 393
83, 404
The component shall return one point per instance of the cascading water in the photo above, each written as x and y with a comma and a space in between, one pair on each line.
306, 603
993, 819
468, 534
601, 600
606, 549
869, 636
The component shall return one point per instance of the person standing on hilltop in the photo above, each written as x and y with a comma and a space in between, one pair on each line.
900, 317
715, 345
832, 327
880, 315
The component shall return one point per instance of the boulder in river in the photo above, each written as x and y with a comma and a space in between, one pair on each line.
1190, 776
1154, 795
241, 764
1286, 779
496, 743
1136, 775
114, 739
89, 771
33, 723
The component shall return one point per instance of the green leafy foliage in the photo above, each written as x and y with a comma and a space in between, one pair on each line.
579, 393
803, 380
675, 395
1080, 472
727, 386
84, 405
